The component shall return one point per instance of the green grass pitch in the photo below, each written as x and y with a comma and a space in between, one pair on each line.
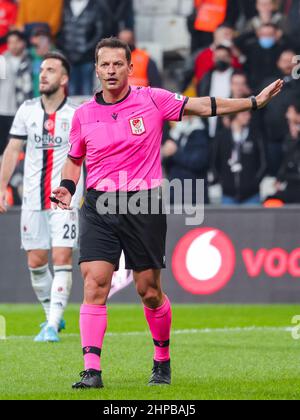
216, 354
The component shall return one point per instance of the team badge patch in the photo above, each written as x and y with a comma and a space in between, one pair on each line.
137, 126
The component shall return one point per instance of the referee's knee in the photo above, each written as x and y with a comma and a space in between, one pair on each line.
96, 289
151, 297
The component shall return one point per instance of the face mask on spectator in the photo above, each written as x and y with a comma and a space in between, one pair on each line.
222, 65
267, 42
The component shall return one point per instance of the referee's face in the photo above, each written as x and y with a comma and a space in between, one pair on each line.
113, 69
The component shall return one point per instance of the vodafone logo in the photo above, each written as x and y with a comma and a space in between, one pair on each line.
204, 261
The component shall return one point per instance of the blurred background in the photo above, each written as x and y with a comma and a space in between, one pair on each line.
250, 162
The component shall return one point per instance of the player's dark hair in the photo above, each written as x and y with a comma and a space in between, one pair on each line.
56, 55
18, 34
113, 43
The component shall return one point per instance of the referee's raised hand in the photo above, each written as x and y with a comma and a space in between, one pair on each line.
269, 93
61, 199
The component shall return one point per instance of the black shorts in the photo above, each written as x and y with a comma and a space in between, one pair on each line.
142, 237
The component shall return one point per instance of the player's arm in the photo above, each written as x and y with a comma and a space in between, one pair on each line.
8, 166
70, 177
208, 107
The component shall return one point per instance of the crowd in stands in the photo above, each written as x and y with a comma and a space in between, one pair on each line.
237, 48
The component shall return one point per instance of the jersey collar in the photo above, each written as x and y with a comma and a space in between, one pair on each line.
60, 106
100, 100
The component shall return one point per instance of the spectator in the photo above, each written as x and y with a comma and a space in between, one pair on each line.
288, 185
186, 155
204, 62
207, 16
81, 30
239, 85
274, 116
217, 83
267, 12
117, 16
145, 71
239, 89
8, 16
239, 161
262, 54
41, 45
17, 86
292, 10
32, 12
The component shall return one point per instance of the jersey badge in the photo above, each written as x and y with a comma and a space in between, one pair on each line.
137, 126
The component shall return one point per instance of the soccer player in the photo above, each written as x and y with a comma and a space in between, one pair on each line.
45, 123
119, 132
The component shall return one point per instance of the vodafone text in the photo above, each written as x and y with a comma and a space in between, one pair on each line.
274, 262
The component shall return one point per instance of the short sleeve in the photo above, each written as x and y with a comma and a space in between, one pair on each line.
171, 105
19, 129
77, 144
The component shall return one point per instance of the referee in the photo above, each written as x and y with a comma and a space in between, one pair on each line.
119, 134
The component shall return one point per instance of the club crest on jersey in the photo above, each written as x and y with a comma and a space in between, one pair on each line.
49, 125
137, 126
65, 125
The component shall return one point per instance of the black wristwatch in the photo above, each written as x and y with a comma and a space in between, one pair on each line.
254, 103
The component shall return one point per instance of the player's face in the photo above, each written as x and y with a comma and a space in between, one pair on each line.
53, 77
113, 69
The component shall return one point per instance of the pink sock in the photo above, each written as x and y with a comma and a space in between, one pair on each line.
159, 321
93, 324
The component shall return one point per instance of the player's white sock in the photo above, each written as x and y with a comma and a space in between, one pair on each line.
61, 289
41, 280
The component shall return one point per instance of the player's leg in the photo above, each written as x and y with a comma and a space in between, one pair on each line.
36, 241
64, 237
41, 277
158, 313
93, 319
60, 291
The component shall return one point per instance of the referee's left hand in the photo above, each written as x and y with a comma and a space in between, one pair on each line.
64, 197
269, 93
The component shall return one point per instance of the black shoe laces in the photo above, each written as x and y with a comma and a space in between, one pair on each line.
85, 374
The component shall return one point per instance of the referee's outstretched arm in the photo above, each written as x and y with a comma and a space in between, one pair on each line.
208, 107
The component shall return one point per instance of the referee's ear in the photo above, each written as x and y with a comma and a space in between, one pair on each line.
130, 66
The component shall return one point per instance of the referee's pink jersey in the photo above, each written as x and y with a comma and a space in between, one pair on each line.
121, 141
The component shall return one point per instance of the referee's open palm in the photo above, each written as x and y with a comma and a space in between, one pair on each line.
269, 93
63, 198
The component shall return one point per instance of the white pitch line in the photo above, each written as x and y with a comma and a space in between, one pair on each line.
178, 332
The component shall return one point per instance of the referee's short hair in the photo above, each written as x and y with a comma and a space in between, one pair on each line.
56, 55
114, 43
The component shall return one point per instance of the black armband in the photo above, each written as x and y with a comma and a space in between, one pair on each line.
213, 107
254, 103
69, 185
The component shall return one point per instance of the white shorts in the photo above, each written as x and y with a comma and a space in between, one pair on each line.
49, 229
